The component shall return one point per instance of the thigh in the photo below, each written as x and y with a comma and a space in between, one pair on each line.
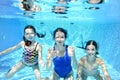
54, 76
15, 68
69, 76
84, 76
37, 71
98, 77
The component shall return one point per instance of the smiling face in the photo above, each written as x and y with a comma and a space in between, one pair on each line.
29, 34
91, 50
59, 38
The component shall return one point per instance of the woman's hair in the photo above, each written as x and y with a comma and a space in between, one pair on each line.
93, 43
27, 42
61, 30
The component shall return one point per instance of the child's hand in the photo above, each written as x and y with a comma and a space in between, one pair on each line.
42, 64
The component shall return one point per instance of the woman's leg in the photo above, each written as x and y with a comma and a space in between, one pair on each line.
54, 76
70, 76
14, 69
37, 72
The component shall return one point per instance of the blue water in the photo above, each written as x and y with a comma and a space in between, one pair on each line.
102, 25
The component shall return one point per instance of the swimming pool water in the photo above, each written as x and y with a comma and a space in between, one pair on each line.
82, 25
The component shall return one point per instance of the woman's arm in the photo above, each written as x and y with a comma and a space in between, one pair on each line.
104, 69
72, 54
12, 48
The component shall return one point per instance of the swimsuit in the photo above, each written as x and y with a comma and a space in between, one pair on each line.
62, 65
30, 57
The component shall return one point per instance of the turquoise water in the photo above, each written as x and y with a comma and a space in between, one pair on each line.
102, 25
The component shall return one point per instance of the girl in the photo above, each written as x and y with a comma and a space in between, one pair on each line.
32, 54
88, 65
62, 56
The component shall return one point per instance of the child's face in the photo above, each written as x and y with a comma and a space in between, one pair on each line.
59, 37
29, 34
91, 50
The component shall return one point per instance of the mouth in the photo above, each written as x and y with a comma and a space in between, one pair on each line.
60, 42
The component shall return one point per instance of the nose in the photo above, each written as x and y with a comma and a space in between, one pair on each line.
90, 52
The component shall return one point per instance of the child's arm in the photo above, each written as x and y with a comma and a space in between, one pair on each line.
104, 69
49, 59
79, 70
11, 48
40, 60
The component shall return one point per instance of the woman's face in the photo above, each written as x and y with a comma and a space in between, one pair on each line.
59, 38
91, 50
29, 34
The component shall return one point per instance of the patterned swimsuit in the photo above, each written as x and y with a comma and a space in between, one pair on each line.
30, 57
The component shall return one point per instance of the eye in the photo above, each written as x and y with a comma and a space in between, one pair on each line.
26, 33
57, 37
87, 49
62, 36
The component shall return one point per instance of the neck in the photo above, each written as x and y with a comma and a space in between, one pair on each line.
91, 59
60, 47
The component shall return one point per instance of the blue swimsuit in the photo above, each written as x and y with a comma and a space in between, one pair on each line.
62, 65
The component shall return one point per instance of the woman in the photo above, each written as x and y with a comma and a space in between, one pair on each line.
62, 56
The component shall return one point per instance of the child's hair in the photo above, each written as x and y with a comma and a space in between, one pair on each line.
27, 42
93, 43
60, 29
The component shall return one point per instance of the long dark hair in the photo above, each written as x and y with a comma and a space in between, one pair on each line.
27, 42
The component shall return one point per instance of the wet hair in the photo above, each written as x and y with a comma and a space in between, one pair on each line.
93, 43
61, 30
27, 42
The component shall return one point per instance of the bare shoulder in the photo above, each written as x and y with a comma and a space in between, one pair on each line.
82, 60
39, 46
99, 60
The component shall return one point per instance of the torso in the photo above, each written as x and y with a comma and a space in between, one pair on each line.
30, 55
90, 69
62, 64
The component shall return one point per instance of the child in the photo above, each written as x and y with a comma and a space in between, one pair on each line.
88, 65
62, 56
32, 54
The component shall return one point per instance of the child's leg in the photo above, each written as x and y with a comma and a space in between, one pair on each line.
37, 72
98, 77
83, 76
14, 69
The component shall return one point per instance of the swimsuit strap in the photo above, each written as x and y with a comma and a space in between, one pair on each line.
66, 49
35, 47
